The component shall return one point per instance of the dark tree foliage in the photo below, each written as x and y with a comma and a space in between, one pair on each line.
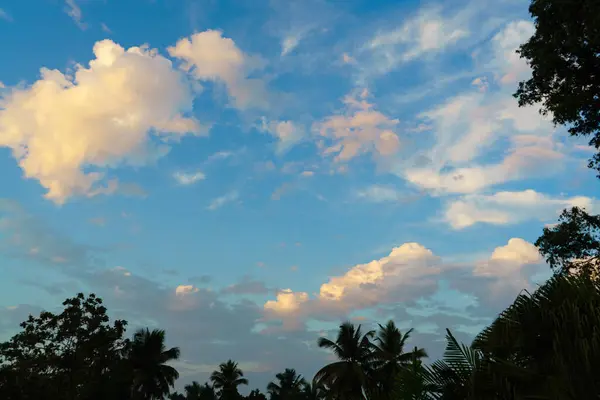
564, 54
546, 345
573, 245
289, 386
76, 354
256, 395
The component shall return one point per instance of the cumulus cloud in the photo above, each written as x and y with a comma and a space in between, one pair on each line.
410, 274
408, 269
209, 56
66, 130
505, 208
358, 129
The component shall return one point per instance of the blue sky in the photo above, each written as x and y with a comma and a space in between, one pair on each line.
247, 174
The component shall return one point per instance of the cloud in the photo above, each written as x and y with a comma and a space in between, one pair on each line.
408, 270
246, 286
289, 43
504, 208
473, 124
27, 237
408, 275
222, 200
358, 129
427, 32
105, 28
208, 56
287, 133
74, 11
186, 179
385, 194
67, 130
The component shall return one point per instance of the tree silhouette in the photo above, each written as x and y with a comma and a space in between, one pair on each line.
227, 379
152, 377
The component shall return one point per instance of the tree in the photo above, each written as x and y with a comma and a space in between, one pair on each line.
573, 245
289, 387
547, 344
149, 356
207, 392
76, 354
348, 377
256, 395
313, 391
177, 396
390, 356
192, 391
455, 376
227, 379
413, 381
564, 54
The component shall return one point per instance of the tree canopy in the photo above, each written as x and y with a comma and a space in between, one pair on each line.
564, 55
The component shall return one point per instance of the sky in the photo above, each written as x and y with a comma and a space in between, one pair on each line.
248, 174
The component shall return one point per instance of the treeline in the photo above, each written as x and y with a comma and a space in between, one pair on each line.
546, 345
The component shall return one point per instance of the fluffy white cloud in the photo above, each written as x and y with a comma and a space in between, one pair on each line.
211, 57
183, 290
508, 270
409, 274
357, 130
407, 270
504, 208
64, 130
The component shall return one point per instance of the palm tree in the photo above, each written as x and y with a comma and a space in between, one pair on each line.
227, 379
348, 377
547, 343
455, 375
207, 392
192, 392
390, 356
314, 391
289, 387
148, 356
413, 381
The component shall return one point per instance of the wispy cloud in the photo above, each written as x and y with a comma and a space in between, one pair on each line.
105, 28
222, 200
74, 11
185, 178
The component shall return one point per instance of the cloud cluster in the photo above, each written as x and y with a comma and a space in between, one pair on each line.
503, 208
209, 56
408, 273
358, 129
66, 130
471, 125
